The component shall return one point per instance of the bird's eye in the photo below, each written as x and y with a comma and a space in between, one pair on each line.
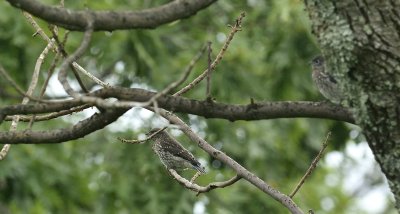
317, 61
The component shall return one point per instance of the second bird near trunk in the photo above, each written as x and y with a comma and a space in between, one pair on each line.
325, 82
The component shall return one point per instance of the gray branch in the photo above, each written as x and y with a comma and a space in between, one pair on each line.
113, 20
232, 112
81, 129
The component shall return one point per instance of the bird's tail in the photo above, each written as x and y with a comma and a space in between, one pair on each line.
200, 169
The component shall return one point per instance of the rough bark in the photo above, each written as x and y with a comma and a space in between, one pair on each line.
360, 40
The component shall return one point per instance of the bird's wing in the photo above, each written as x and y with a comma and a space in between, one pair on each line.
176, 149
329, 77
332, 79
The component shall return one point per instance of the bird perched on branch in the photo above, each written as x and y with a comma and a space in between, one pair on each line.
326, 83
171, 153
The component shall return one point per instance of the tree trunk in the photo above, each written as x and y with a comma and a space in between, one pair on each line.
360, 40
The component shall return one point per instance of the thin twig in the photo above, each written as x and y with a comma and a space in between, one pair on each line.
141, 141
64, 41
152, 101
60, 45
195, 176
202, 189
38, 66
124, 104
62, 75
4, 151
222, 184
185, 75
208, 89
60, 49
51, 115
49, 74
91, 76
77, 67
4, 73
34, 80
312, 166
234, 29
35, 25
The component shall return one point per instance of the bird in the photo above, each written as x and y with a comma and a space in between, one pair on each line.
325, 82
171, 153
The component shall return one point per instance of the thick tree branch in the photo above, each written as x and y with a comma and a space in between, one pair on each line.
82, 128
38, 108
232, 112
112, 20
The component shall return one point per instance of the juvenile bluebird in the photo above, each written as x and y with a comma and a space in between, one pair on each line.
326, 83
171, 153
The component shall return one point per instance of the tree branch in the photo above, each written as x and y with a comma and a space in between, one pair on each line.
234, 29
232, 112
38, 108
202, 189
82, 128
62, 75
50, 115
312, 166
112, 20
239, 169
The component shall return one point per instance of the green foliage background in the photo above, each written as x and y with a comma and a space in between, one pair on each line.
266, 61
